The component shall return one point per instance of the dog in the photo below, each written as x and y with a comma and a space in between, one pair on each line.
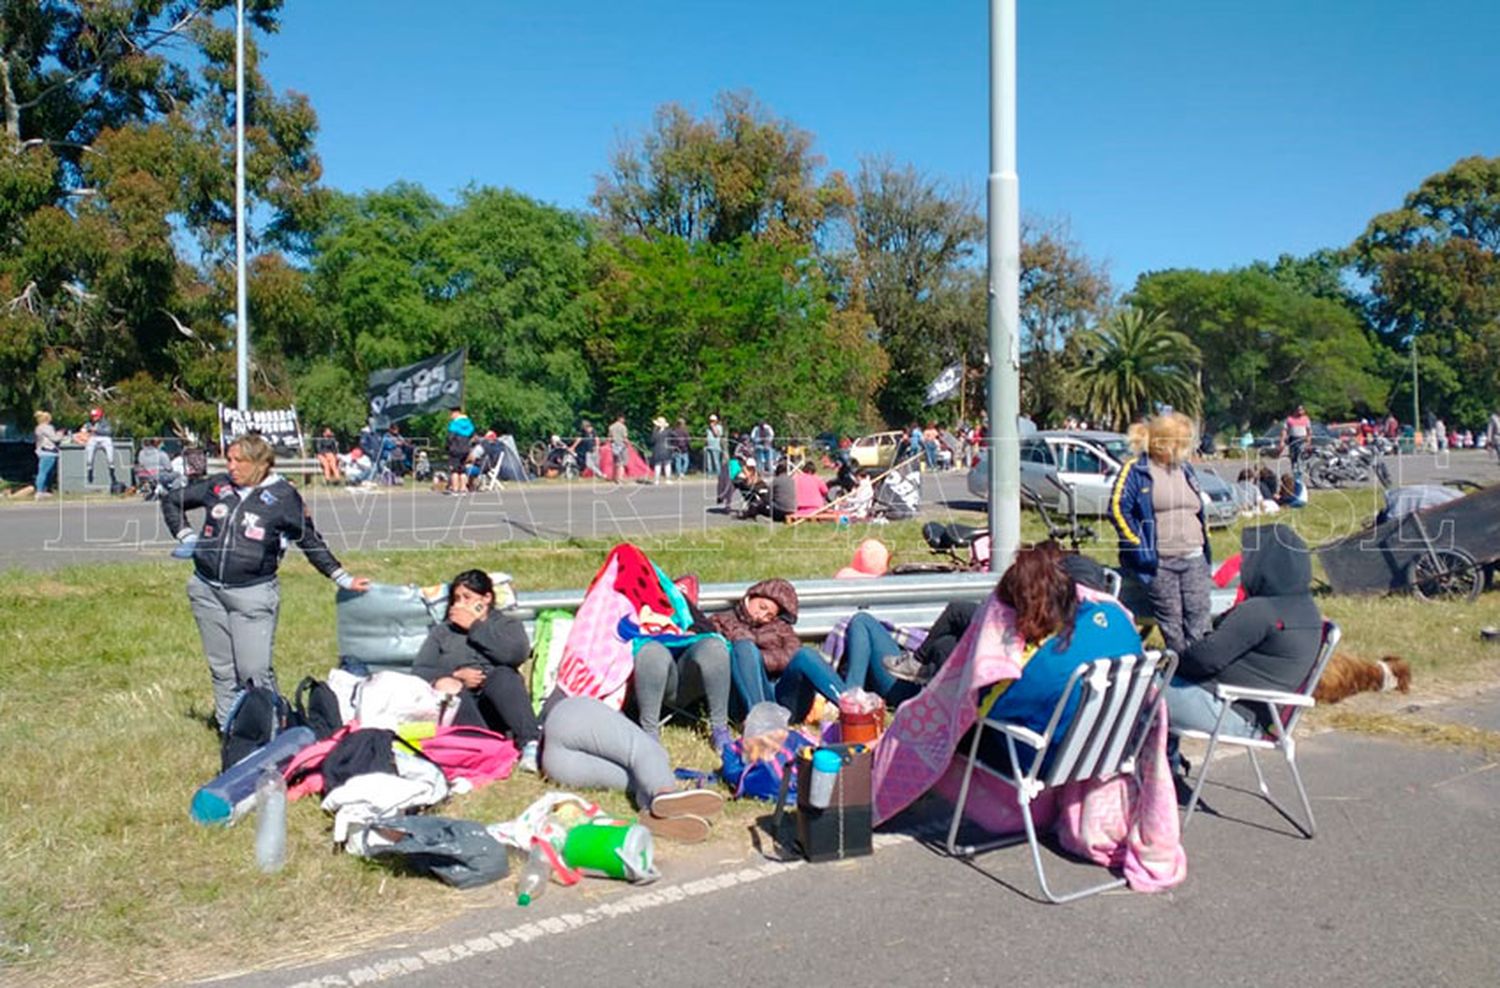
1347, 675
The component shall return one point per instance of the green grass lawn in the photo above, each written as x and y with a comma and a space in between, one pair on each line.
104, 698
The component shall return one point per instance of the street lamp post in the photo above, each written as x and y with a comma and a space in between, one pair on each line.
241, 317
1004, 249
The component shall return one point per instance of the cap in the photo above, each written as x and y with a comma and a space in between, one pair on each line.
96, 413
713, 418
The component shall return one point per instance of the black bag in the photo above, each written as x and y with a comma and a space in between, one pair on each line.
258, 715
460, 853
316, 706
368, 749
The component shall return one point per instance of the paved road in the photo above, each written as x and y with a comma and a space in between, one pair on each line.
1397, 889
51, 534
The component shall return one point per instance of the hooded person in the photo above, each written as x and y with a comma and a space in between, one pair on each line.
1269, 640
767, 661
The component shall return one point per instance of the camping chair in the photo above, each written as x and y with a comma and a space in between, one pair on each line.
1116, 707
1285, 711
489, 474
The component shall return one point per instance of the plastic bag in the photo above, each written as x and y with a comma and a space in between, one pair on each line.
765, 717
460, 853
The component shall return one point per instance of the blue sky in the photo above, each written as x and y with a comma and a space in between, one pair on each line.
1166, 133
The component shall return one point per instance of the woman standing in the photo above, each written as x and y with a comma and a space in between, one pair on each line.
1157, 508
234, 592
713, 446
48, 445
661, 450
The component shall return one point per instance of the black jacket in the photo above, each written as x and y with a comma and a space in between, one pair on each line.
242, 541
1270, 640
498, 640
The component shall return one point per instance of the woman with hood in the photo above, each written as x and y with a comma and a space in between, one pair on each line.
1269, 640
767, 661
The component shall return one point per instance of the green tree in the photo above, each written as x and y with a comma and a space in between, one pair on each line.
115, 163
914, 240
744, 329
1063, 293
1271, 336
741, 172
404, 277
1434, 274
1136, 361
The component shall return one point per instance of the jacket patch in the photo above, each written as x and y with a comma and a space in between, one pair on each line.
219, 510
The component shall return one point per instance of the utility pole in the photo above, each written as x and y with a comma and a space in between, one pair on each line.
1004, 249
241, 316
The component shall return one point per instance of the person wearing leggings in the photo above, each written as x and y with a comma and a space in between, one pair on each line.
681, 676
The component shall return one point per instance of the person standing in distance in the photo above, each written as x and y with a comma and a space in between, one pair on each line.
249, 511
1296, 433
619, 447
100, 433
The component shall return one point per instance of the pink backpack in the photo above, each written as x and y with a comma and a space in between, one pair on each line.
472, 753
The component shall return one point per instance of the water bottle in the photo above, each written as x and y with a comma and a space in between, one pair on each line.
825, 771
534, 876
270, 822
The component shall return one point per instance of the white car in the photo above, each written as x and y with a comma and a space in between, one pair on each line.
876, 451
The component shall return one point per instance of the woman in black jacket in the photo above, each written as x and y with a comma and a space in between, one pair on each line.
1270, 640
477, 652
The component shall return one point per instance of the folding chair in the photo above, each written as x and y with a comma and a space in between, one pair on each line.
1286, 711
1116, 707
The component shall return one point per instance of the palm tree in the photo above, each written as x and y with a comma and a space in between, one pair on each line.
1137, 360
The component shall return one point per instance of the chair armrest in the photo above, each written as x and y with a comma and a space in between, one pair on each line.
1018, 732
1233, 693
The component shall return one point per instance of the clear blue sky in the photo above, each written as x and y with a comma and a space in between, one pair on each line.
1168, 133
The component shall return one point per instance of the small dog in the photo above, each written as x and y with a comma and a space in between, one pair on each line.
1346, 675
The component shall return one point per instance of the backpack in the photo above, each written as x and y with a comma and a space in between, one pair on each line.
315, 705
759, 775
472, 753
259, 714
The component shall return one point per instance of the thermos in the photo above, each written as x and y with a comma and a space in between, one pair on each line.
825, 771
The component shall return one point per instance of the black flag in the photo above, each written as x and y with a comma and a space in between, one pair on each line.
427, 386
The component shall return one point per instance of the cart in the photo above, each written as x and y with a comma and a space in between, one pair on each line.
1443, 552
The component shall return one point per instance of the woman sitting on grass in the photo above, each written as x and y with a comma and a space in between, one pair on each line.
476, 654
767, 661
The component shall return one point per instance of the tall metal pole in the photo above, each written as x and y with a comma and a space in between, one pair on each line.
1004, 208
1416, 390
241, 317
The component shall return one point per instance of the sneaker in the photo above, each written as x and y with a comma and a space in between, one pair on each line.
701, 804
685, 829
528, 761
905, 665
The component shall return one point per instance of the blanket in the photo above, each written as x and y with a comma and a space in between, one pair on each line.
629, 602
1126, 823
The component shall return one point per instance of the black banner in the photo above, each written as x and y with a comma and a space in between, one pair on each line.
427, 386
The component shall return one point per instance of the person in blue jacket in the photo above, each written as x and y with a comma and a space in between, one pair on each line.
1061, 633
1156, 507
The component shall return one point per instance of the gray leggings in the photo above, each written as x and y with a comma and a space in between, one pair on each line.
588, 745
1180, 601
701, 671
237, 626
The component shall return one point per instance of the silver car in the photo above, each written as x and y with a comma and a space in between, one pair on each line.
1089, 462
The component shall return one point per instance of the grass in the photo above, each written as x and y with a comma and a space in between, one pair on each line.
103, 704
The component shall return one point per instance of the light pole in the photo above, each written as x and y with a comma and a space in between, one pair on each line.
1004, 249
241, 316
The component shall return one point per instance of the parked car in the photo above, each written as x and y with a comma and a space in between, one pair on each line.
1089, 462
876, 451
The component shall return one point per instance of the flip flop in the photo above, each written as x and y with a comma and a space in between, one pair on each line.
702, 803
684, 829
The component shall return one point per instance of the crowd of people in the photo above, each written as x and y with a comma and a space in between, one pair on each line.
726, 664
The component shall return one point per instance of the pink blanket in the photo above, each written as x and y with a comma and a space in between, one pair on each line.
1127, 824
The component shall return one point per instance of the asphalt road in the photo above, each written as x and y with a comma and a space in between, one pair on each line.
63, 532
1397, 889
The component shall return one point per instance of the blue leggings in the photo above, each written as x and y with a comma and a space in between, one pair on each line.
806, 673
866, 642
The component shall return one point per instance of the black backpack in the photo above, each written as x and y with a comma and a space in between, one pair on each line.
315, 705
258, 715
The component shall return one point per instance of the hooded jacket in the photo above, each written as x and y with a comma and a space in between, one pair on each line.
776, 638
1270, 640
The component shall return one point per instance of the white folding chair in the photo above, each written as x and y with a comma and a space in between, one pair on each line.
1116, 706
1286, 711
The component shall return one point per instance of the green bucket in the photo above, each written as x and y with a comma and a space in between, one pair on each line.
611, 849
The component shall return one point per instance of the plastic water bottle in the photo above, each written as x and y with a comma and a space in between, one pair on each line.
270, 822
825, 771
534, 876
